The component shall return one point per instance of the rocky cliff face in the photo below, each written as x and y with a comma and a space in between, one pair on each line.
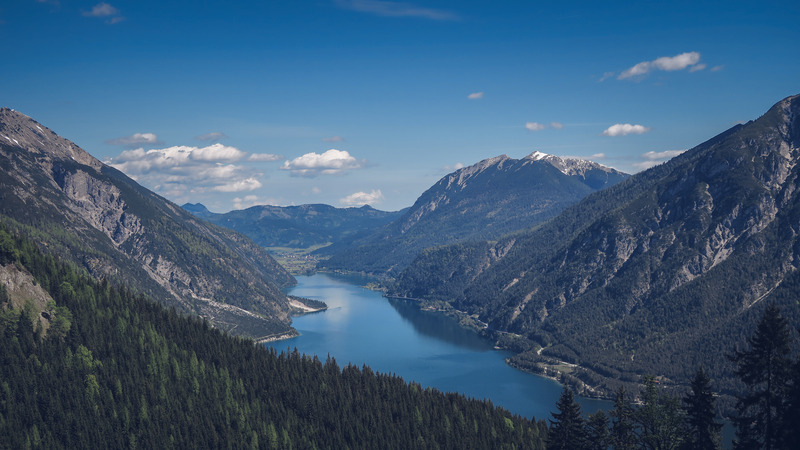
657, 274
102, 220
493, 197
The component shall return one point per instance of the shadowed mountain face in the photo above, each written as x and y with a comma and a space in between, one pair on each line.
102, 220
301, 226
659, 274
483, 201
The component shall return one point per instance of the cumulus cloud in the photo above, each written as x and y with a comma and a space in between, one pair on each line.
211, 137
333, 139
475, 96
248, 184
455, 166
216, 152
136, 139
313, 164
104, 10
264, 157
178, 170
362, 198
252, 200
667, 63
655, 158
556, 125
395, 9
535, 126
624, 129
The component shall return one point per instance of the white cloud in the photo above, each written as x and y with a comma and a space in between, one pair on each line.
316, 190
535, 126
717, 68
454, 167
313, 164
136, 139
655, 158
667, 154
211, 137
475, 96
252, 200
556, 125
103, 9
362, 198
248, 184
624, 129
395, 9
666, 63
261, 157
176, 171
216, 152
333, 139
606, 76
598, 156
697, 67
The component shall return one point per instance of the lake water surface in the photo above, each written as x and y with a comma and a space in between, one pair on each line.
394, 336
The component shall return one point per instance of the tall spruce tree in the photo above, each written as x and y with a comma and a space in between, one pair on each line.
792, 419
623, 428
766, 370
703, 431
660, 418
598, 433
567, 430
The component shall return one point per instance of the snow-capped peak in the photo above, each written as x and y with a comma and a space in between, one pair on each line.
537, 155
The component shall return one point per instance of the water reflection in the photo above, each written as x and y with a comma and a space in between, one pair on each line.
438, 326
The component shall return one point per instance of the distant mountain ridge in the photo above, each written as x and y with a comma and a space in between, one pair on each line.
660, 274
97, 217
486, 200
302, 226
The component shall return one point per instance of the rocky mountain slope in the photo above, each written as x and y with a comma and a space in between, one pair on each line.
483, 201
97, 217
660, 274
301, 226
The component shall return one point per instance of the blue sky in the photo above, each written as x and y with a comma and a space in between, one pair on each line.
350, 101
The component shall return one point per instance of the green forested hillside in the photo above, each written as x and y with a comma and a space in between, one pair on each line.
120, 371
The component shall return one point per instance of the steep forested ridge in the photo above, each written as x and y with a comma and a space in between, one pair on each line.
661, 273
483, 201
100, 219
123, 372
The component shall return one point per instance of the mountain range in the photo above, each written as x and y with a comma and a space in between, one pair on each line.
661, 273
95, 216
303, 226
483, 201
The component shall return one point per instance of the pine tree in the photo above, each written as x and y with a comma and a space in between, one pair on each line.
623, 434
598, 433
765, 369
567, 430
792, 419
703, 431
660, 418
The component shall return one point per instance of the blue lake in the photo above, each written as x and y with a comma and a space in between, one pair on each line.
394, 336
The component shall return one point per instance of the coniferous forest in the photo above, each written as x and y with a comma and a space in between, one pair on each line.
767, 414
116, 370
